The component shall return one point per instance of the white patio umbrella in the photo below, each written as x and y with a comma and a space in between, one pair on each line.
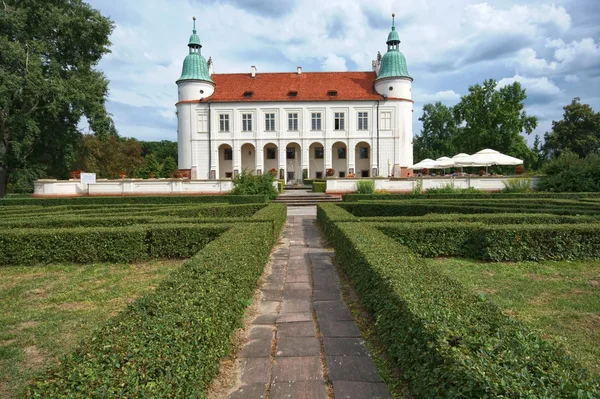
426, 163
444, 162
489, 157
458, 157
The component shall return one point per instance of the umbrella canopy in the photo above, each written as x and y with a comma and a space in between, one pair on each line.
460, 156
444, 162
426, 163
488, 157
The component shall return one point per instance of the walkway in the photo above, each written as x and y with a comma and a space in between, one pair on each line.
304, 342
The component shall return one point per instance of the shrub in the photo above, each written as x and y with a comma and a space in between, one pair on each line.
330, 172
122, 200
180, 241
280, 185
425, 171
568, 173
319, 186
450, 189
249, 184
519, 170
517, 186
446, 341
478, 195
365, 186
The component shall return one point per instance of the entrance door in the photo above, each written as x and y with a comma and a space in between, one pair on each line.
290, 177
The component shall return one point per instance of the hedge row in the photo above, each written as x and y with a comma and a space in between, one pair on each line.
498, 243
319, 187
104, 244
405, 208
445, 340
167, 199
396, 197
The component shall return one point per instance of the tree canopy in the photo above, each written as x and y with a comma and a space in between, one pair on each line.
578, 132
48, 81
438, 134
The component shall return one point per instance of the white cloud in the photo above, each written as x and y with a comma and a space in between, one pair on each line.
572, 78
533, 86
334, 63
443, 96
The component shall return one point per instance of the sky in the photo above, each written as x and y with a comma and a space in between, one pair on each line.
552, 49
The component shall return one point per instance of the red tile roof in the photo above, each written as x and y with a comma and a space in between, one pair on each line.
311, 86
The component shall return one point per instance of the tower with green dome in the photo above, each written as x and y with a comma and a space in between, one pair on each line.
194, 85
393, 79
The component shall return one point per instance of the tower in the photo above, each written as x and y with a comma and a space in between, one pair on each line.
193, 85
394, 82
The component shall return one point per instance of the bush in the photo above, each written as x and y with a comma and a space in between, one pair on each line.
319, 187
479, 195
450, 189
517, 186
568, 173
180, 241
122, 200
365, 186
249, 184
446, 341
169, 342
280, 185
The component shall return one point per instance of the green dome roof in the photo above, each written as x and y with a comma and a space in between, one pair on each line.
393, 36
393, 65
195, 68
195, 39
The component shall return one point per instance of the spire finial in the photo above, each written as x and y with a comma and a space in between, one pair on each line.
393, 22
194, 18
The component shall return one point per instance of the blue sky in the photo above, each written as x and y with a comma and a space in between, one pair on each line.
552, 49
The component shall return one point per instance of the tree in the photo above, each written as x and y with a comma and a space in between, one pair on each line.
491, 118
578, 132
438, 132
570, 173
109, 157
152, 167
168, 167
48, 54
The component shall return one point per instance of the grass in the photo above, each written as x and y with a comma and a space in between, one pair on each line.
46, 311
561, 299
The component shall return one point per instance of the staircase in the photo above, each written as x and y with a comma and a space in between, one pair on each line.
299, 197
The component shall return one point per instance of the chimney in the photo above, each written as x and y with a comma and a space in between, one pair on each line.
299, 70
253, 69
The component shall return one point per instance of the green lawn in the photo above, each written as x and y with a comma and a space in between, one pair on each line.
562, 299
45, 311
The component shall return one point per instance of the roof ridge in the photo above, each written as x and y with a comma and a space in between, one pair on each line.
291, 72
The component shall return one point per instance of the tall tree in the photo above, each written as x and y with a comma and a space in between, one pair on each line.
109, 157
578, 132
48, 53
438, 132
494, 118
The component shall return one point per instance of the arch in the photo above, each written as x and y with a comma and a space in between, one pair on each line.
271, 157
293, 162
339, 158
316, 160
225, 161
362, 159
248, 157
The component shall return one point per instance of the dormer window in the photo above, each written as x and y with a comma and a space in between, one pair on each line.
292, 93
248, 94
332, 93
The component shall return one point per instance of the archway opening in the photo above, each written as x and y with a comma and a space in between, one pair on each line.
339, 159
362, 159
225, 161
248, 158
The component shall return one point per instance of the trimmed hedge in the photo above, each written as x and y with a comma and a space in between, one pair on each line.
445, 340
319, 187
169, 343
167, 199
396, 197
103, 244
498, 242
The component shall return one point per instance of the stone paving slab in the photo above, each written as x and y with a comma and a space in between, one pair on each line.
282, 356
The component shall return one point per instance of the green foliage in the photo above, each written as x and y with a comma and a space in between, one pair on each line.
180, 241
578, 132
109, 157
479, 195
438, 133
169, 167
228, 211
417, 187
517, 186
48, 82
450, 189
365, 186
280, 185
182, 199
169, 342
444, 340
319, 186
247, 183
569, 173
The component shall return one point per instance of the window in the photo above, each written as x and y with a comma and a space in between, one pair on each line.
386, 120
316, 120
332, 93
227, 154
364, 152
292, 93
228, 175
339, 121
319, 175
271, 153
364, 173
363, 120
318, 152
291, 153
270, 123
247, 122
341, 153
202, 123
293, 121
224, 123
342, 174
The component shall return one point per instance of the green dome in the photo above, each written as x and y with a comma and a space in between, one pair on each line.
195, 39
195, 68
393, 65
393, 36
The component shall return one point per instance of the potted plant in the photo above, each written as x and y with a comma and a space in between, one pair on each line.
122, 175
519, 169
425, 171
482, 172
330, 172
350, 175
273, 171
178, 174
75, 174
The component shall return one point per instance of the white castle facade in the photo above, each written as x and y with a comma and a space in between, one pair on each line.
296, 125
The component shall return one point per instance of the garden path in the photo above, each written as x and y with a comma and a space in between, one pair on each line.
304, 342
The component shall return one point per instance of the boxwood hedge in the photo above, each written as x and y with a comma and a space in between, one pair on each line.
483, 195
446, 341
